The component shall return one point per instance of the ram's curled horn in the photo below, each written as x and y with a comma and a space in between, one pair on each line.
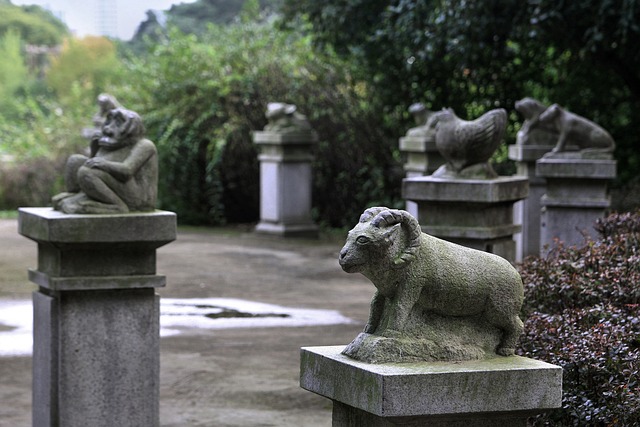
371, 212
410, 224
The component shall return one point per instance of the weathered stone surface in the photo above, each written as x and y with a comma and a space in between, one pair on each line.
113, 251
576, 196
96, 316
475, 213
119, 176
512, 387
575, 130
467, 145
96, 359
286, 181
435, 300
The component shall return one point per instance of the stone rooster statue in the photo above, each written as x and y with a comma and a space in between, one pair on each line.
467, 146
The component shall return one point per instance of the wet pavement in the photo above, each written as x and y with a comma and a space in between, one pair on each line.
236, 310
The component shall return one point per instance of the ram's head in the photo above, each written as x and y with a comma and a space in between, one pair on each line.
382, 238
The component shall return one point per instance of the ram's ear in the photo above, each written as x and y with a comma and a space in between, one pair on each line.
391, 232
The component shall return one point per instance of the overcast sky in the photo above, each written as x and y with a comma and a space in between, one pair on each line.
81, 16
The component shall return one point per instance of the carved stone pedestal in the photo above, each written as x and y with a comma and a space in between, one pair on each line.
576, 196
285, 183
477, 213
422, 158
502, 391
96, 316
526, 212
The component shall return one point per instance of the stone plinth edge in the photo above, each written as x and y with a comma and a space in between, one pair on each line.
501, 189
150, 229
528, 153
288, 230
576, 168
285, 138
501, 384
418, 144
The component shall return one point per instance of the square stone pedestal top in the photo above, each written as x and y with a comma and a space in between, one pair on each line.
418, 144
501, 189
528, 153
284, 138
576, 168
501, 384
151, 229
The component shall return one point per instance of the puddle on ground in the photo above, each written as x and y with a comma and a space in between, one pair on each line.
177, 315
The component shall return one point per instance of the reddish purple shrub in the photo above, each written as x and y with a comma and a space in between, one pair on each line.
582, 308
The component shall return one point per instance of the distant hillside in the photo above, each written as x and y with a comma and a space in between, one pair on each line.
34, 24
194, 17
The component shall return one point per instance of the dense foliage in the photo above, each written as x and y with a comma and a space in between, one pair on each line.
581, 309
475, 55
201, 98
34, 24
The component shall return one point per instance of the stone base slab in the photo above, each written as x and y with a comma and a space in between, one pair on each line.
497, 388
287, 230
501, 189
576, 168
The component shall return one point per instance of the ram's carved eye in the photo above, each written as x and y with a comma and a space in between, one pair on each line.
363, 240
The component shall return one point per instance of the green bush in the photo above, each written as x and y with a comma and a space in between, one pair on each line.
581, 309
201, 97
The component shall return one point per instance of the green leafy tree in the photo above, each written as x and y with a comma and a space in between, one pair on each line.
13, 71
34, 24
476, 55
201, 97
90, 62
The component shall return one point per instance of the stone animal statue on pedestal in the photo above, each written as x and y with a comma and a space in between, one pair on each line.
284, 118
120, 176
467, 146
434, 300
531, 132
576, 130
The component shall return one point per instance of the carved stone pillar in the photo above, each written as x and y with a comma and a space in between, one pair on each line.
526, 212
576, 196
96, 316
286, 183
477, 213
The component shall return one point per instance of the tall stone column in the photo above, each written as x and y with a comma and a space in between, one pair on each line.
96, 316
576, 196
526, 212
286, 183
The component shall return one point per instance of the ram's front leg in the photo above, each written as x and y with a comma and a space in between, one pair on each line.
402, 305
375, 313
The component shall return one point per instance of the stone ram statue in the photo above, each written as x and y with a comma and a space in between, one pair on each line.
434, 300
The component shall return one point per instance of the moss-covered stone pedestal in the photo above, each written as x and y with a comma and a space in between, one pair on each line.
422, 158
576, 196
477, 213
526, 212
285, 183
497, 392
96, 337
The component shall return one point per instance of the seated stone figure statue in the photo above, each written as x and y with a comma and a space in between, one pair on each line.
119, 177
284, 118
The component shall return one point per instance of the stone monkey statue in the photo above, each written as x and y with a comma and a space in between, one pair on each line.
120, 175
